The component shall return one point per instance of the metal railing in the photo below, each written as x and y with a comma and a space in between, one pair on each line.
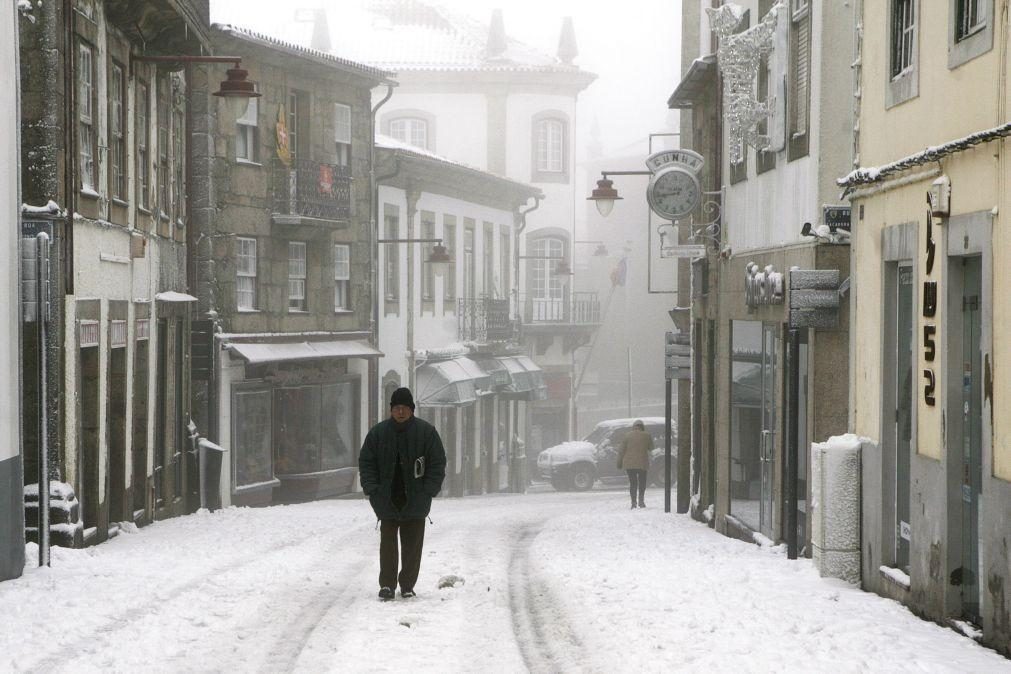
577, 308
313, 189
484, 319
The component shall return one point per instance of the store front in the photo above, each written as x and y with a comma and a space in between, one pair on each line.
295, 414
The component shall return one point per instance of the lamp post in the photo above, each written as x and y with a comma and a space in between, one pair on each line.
236, 88
604, 196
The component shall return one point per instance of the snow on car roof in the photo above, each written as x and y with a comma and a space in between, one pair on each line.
610, 423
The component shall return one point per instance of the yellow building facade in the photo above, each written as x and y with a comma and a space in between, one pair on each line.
931, 262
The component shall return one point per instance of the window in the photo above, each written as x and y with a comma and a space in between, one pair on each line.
163, 146
178, 165
293, 112
245, 274
314, 427
970, 18
488, 259
342, 134
246, 129
410, 130
549, 145
449, 241
765, 160
546, 285
253, 438
117, 135
903, 36
469, 263
143, 161
505, 262
799, 96
971, 33
86, 116
341, 277
391, 276
427, 273
296, 276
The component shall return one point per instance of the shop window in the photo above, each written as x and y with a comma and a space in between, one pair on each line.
252, 437
314, 427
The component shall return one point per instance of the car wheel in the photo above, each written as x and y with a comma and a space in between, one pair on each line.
581, 478
656, 474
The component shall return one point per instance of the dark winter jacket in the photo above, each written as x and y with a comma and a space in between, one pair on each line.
419, 449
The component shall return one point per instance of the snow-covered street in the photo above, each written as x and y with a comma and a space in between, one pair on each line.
551, 582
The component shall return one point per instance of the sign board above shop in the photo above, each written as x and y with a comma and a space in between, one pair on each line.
814, 298
836, 217
677, 355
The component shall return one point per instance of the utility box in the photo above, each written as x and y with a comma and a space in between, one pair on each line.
835, 507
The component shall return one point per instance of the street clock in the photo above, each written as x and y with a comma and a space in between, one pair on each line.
674, 189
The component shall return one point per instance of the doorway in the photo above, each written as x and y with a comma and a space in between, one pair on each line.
119, 510
965, 449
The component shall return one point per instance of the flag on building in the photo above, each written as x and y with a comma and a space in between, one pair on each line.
619, 272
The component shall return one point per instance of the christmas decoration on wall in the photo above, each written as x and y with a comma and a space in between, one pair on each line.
740, 56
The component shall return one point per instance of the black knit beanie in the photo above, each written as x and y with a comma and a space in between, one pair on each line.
402, 396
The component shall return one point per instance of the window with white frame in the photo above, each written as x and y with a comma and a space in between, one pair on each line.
970, 18
410, 130
296, 276
449, 278
163, 124
427, 271
342, 134
85, 115
246, 128
178, 165
245, 274
549, 145
117, 132
903, 36
341, 277
548, 251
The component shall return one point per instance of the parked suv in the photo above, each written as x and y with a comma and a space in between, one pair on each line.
577, 464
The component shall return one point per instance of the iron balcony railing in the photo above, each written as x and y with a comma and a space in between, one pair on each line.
484, 319
313, 189
577, 308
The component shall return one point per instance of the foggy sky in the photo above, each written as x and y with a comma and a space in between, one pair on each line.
633, 46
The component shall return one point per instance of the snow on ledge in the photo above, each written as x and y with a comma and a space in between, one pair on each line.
897, 576
173, 296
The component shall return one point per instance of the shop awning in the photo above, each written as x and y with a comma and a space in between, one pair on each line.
272, 352
700, 74
445, 383
494, 367
526, 379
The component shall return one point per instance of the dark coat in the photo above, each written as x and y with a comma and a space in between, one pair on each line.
377, 462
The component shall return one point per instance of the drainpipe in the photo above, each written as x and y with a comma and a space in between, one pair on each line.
516, 276
374, 259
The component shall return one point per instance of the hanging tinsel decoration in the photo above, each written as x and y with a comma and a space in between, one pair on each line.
739, 56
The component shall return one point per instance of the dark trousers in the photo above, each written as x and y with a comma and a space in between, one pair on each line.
637, 483
412, 539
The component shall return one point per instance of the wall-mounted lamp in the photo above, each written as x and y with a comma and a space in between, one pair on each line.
439, 258
605, 195
236, 88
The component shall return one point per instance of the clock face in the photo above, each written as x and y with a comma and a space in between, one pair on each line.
673, 192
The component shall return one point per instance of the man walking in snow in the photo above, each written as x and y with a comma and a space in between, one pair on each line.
402, 465
633, 458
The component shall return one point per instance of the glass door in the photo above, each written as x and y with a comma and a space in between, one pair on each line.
770, 351
903, 411
971, 459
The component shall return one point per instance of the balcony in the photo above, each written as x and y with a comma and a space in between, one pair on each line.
311, 192
484, 320
581, 308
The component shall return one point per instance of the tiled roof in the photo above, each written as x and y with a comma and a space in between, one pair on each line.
421, 35
384, 142
325, 58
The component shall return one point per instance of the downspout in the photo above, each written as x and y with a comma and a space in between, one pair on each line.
373, 387
516, 276
69, 140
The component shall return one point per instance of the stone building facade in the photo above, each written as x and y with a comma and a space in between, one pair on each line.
281, 259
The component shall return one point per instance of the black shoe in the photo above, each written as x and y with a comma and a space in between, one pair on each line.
641, 504
385, 593
633, 506
407, 594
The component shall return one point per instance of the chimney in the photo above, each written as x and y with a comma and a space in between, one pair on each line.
496, 36
320, 31
567, 49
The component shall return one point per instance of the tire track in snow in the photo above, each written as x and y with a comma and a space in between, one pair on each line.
545, 638
158, 601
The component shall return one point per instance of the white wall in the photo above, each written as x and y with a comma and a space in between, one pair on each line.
460, 126
9, 208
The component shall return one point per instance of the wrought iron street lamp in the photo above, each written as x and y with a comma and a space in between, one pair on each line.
236, 88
